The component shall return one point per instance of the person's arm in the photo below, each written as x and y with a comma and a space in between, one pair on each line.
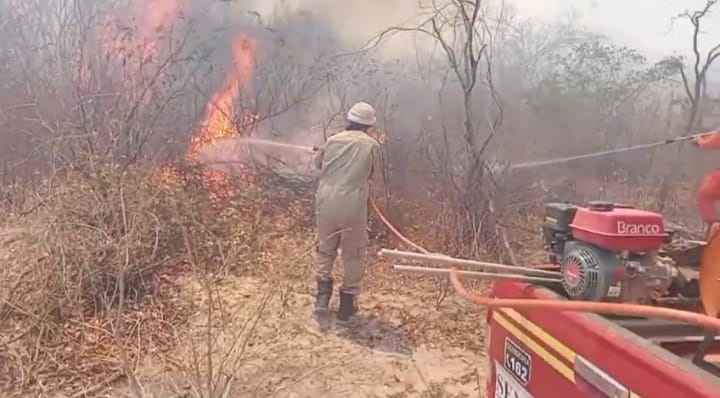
710, 140
318, 159
376, 175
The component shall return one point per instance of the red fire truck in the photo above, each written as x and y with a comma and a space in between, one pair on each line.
539, 353
546, 353
546, 337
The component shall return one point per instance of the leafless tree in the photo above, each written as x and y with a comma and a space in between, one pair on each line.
464, 32
695, 84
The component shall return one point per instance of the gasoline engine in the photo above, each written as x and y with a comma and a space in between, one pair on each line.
609, 252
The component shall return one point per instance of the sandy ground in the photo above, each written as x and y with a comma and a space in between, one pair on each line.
266, 342
398, 346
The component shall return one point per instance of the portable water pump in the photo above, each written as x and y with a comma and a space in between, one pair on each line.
609, 252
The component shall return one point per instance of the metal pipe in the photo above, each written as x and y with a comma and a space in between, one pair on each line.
562, 305
475, 275
443, 259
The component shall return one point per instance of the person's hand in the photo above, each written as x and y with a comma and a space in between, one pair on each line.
696, 140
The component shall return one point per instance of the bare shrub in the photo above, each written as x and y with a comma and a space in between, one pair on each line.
97, 234
105, 239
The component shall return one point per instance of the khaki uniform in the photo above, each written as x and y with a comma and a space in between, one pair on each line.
347, 160
708, 194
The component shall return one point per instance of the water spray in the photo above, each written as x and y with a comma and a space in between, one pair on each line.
258, 141
522, 165
565, 159
537, 275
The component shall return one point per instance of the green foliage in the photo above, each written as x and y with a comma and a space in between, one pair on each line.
602, 74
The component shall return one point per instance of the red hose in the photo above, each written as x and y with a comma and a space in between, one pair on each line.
559, 305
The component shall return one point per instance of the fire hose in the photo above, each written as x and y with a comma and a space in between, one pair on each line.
709, 272
606, 152
624, 309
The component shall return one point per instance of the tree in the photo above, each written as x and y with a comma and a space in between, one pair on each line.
528, 52
695, 84
463, 33
600, 79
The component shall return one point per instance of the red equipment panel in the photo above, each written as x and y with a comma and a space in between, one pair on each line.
620, 229
546, 354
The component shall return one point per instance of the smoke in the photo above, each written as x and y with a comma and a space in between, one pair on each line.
305, 38
299, 45
299, 41
301, 85
353, 23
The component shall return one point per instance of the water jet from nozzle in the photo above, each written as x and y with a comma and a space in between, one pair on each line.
606, 152
565, 159
259, 141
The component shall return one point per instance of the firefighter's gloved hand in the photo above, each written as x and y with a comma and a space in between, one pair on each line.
696, 140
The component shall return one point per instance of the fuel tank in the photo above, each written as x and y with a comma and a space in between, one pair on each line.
618, 227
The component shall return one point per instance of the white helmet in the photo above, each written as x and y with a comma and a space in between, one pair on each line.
362, 113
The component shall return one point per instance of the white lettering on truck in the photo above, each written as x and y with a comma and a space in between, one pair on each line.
639, 229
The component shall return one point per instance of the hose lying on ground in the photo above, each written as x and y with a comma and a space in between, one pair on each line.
560, 305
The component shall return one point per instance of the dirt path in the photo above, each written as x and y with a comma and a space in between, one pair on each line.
399, 346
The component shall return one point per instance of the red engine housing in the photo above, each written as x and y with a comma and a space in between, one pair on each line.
619, 228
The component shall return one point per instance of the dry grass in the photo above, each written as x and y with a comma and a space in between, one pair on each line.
147, 285
128, 284
88, 277
266, 343
123, 279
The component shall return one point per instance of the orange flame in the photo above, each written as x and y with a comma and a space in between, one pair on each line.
124, 49
159, 15
379, 136
219, 123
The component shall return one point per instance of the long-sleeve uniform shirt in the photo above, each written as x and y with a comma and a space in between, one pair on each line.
347, 161
708, 193
710, 141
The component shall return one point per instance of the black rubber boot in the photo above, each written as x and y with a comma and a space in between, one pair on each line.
324, 293
348, 307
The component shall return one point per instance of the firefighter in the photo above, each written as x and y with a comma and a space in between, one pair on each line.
347, 161
708, 195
